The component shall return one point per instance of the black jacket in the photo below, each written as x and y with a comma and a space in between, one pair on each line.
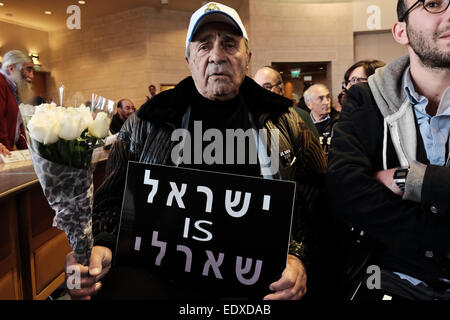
413, 240
145, 137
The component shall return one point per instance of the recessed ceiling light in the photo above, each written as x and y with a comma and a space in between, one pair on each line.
82, 2
48, 12
1, 4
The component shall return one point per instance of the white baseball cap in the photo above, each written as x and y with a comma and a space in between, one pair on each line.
214, 12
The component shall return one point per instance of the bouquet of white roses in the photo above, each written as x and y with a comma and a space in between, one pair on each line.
61, 142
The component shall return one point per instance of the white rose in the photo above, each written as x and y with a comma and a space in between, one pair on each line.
100, 126
44, 127
86, 116
71, 125
45, 107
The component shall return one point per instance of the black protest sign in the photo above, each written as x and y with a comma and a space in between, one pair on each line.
220, 231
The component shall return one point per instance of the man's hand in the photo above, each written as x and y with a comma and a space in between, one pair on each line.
4, 150
292, 285
99, 265
386, 177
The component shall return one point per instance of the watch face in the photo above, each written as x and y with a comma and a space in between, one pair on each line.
401, 174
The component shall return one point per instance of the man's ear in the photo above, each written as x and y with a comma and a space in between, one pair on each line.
308, 104
249, 57
400, 34
10, 69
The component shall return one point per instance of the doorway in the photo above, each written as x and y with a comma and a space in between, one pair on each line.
298, 76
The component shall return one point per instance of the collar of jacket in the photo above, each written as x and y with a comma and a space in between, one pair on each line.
169, 106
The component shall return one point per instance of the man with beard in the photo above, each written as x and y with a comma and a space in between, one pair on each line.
125, 108
388, 170
16, 76
221, 96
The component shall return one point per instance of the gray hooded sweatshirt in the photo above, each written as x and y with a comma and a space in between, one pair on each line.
387, 88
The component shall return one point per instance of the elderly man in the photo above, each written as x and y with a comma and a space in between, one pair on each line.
388, 170
270, 79
125, 108
318, 100
221, 96
16, 76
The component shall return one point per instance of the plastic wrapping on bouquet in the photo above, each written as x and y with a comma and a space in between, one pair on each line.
69, 192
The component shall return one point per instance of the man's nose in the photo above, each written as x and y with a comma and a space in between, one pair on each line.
30, 74
217, 54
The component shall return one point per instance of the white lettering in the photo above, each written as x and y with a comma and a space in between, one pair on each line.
73, 21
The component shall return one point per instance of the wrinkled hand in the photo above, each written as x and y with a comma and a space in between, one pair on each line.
292, 284
386, 177
4, 150
88, 282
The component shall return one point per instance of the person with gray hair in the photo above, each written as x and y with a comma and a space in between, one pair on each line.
16, 75
318, 100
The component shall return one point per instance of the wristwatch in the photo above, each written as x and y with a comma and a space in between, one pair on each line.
400, 178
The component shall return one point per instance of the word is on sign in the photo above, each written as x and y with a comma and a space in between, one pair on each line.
220, 231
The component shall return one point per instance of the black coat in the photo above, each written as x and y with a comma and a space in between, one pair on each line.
145, 137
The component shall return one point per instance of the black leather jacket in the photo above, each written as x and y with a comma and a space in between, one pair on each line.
146, 137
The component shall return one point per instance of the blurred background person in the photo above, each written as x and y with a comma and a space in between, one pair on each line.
152, 91
318, 100
270, 79
16, 76
361, 71
125, 108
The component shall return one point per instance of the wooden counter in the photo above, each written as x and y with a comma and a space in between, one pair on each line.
32, 252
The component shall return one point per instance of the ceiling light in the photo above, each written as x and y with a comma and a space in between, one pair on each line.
47, 12
1, 4
82, 2
35, 58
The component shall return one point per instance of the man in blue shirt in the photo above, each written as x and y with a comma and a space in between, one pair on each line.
388, 170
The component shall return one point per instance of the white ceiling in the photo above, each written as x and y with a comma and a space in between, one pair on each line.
31, 12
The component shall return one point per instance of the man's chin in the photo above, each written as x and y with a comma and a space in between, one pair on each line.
221, 91
25, 91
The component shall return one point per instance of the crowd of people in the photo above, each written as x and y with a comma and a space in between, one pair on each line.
372, 174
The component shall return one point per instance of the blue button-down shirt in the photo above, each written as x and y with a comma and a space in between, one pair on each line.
314, 120
434, 129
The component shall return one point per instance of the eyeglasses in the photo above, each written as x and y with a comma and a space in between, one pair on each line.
269, 86
352, 81
432, 6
